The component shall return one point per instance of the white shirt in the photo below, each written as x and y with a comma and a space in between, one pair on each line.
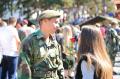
1, 48
27, 30
87, 72
8, 41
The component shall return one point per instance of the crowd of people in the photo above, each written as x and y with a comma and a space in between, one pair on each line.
55, 49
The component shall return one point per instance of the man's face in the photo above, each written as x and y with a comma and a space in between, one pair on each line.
53, 24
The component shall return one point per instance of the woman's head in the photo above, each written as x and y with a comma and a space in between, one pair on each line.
91, 39
92, 42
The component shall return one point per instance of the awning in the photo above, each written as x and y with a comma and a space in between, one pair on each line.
98, 19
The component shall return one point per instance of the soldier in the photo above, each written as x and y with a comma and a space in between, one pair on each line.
40, 53
112, 40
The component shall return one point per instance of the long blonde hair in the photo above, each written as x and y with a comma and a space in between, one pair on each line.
92, 42
67, 32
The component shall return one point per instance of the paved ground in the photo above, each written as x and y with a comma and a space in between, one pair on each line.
116, 67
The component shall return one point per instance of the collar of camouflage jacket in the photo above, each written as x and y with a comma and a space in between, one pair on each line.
39, 34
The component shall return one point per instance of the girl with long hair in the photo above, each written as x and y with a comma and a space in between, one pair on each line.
94, 61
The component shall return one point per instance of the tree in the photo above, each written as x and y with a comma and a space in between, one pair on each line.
30, 6
68, 3
96, 7
1, 8
81, 2
7, 5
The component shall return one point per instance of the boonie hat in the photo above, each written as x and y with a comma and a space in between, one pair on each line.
49, 14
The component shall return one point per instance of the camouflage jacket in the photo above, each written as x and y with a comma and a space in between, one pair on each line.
40, 60
112, 40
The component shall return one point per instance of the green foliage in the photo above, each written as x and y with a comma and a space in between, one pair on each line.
81, 2
27, 6
110, 6
7, 4
3, 4
92, 5
45, 4
1, 10
68, 3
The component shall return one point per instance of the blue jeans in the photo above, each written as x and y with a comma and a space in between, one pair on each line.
9, 67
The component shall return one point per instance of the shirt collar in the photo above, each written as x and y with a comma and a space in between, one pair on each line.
39, 34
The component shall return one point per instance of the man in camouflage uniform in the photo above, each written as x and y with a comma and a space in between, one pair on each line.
40, 53
112, 41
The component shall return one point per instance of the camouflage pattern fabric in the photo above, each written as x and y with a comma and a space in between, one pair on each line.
21, 34
112, 42
40, 60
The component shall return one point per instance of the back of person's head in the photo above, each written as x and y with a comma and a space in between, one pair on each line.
67, 29
90, 39
0, 21
12, 20
59, 30
92, 42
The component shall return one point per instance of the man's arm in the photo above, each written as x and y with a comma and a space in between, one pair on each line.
18, 42
24, 65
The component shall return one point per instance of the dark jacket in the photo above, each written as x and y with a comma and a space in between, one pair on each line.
78, 69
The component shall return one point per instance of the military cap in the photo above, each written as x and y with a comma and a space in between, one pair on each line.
49, 14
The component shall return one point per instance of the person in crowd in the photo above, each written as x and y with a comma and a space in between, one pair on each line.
10, 43
21, 33
25, 30
102, 29
1, 32
2, 26
18, 26
60, 37
0, 21
94, 61
69, 52
113, 39
40, 53
33, 26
